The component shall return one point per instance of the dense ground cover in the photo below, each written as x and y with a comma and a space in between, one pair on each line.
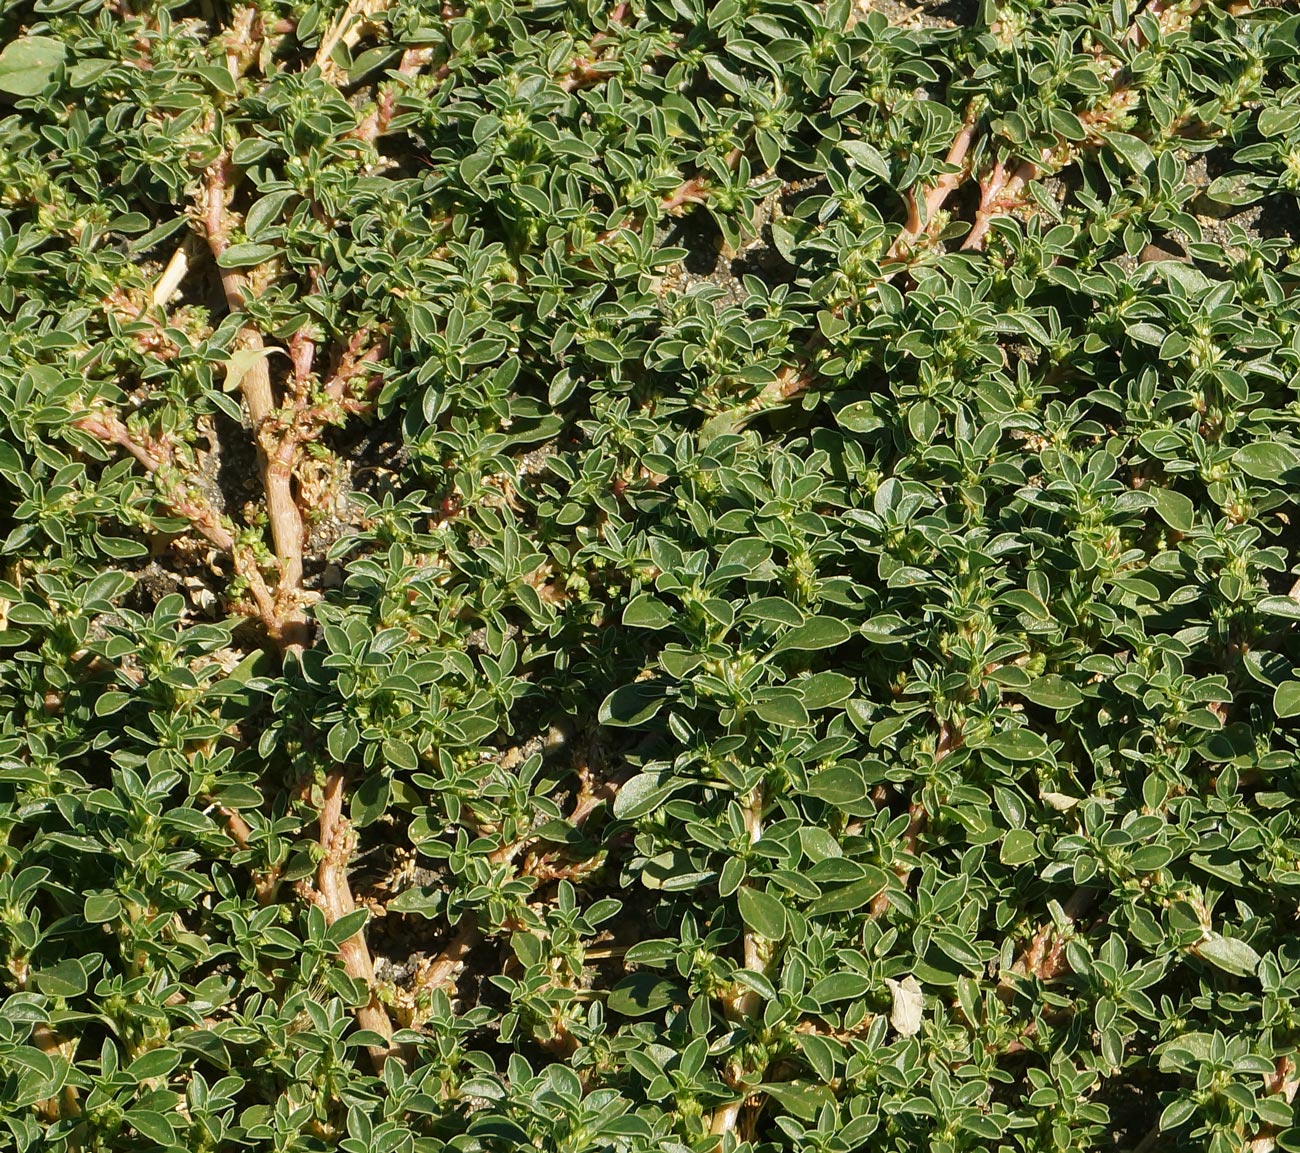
649, 576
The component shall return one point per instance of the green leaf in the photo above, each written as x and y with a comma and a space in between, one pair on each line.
1265, 460
781, 708
862, 417
776, 609
958, 947
108, 703
1019, 847
824, 690
840, 987
850, 898
418, 901
1189, 1048
820, 1054
1277, 121
762, 912
155, 1063
32, 1077
1052, 692
250, 151
218, 77
641, 994
1018, 745
1145, 333
1231, 954
1134, 150
401, 755
1280, 607
246, 255
484, 351
1150, 858
346, 926
370, 800
29, 64
923, 421
342, 739
1223, 865
632, 704
800, 1099
1289, 1140
67, 978
838, 785
884, 629
867, 157
1286, 699
1176, 510
814, 633
1177, 1113
647, 612
1026, 602
100, 908
155, 1127
86, 72
264, 213
644, 793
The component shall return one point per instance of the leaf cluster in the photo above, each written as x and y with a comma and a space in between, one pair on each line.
667, 576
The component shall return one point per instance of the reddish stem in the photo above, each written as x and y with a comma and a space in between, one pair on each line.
302, 352
943, 187
585, 70
414, 61
999, 196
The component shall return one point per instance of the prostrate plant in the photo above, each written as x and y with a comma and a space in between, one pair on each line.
666, 576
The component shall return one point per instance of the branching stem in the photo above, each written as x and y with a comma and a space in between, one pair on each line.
108, 428
267, 885
747, 1003
335, 900
276, 466
943, 187
998, 194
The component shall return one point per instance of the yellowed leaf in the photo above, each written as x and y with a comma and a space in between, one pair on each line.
241, 362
